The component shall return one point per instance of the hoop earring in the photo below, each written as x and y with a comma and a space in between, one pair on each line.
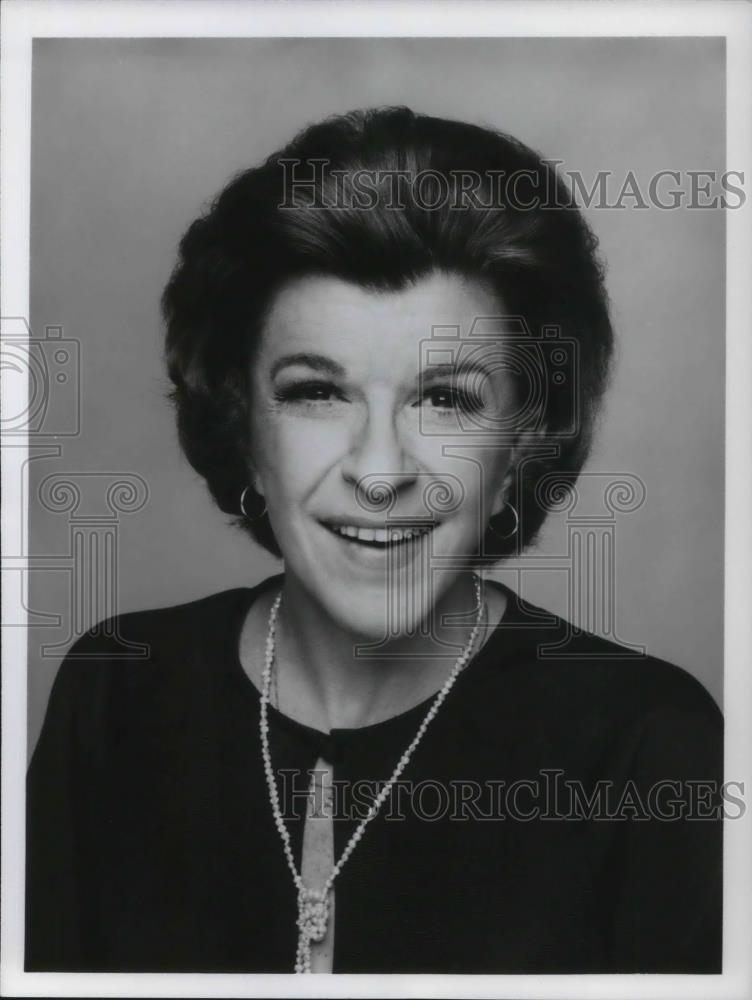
251, 517
497, 518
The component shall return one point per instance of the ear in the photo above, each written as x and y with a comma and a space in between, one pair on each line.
522, 447
255, 479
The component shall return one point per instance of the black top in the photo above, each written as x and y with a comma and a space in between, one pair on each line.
151, 844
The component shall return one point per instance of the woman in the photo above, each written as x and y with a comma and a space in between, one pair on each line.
377, 761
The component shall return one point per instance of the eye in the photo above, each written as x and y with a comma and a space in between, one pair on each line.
309, 391
445, 397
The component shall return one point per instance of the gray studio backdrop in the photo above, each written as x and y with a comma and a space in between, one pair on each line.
131, 137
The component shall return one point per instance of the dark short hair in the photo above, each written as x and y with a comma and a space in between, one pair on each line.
527, 241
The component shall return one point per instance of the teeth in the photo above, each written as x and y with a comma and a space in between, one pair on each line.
382, 535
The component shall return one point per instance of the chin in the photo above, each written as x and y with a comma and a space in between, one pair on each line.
369, 616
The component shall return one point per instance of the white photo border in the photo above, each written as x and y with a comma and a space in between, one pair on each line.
24, 20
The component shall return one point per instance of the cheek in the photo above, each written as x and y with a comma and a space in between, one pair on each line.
294, 455
469, 472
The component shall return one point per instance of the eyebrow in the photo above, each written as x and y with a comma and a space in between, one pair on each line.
431, 372
318, 362
321, 363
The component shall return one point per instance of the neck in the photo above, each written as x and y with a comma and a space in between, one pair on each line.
326, 682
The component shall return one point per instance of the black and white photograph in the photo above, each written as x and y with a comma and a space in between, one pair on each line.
376, 545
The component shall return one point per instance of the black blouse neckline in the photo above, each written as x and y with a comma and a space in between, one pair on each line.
327, 742
161, 853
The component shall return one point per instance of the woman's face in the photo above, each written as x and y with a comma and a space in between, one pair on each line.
365, 429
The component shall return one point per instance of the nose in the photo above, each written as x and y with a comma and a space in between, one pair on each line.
378, 454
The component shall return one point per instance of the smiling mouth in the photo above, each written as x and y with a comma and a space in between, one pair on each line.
379, 538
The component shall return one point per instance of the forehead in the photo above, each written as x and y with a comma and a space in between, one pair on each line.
367, 330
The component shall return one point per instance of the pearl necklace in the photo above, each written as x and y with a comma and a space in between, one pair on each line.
313, 905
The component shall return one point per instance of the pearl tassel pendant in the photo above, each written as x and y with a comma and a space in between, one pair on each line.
313, 905
313, 916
